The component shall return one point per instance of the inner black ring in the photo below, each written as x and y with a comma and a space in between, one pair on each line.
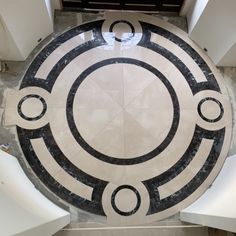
125, 213
36, 117
110, 159
205, 118
126, 22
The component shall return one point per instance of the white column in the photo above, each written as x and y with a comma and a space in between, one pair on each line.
216, 207
24, 210
22, 24
211, 25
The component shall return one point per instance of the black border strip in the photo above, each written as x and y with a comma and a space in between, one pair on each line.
157, 205
94, 206
125, 213
211, 83
30, 79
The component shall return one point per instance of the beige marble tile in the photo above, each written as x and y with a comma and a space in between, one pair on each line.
96, 98
61, 51
73, 185
189, 172
109, 77
213, 110
62, 134
155, 122
136, 231
153, 96
110, 140
210, 109
136, 78
125, 200
32, 107
137, 140
12, 98
91, 122
58, 173
181, 54
116, 219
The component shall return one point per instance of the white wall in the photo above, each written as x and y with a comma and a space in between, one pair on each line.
50, 9
8, 48
26, 21
53, 5
195, 10
216, 207
23, 209
229, 59
56, 4
215, 28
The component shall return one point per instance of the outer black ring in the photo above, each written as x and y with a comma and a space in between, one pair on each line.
114, 160
94, 206
125, 213
36, 117
205, 118
126, 22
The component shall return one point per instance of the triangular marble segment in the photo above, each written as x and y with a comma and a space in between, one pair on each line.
137, 139
110, 80
91, 122
123, 117
110, 140
91, 95
135, 79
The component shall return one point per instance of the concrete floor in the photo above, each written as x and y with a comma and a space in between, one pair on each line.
63, 22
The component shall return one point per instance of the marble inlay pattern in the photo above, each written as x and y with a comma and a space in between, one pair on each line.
123, 117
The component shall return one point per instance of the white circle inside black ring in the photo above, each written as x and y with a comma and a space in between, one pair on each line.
125, 213
114, 160
204, 117
19, 107
126, 22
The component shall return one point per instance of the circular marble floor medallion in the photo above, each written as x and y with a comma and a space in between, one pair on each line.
124, 117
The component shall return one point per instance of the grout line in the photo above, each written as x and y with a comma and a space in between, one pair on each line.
134, 227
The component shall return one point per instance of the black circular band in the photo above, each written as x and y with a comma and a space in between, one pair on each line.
126, 22
122, 160
36, 117
125, 213
95, 204
205, 118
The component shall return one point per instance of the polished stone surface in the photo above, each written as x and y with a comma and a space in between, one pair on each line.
125, 108
192, 230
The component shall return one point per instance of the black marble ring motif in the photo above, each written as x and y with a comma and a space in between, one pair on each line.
19, 107
94, 205
125, 213
129, 36
204, 117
